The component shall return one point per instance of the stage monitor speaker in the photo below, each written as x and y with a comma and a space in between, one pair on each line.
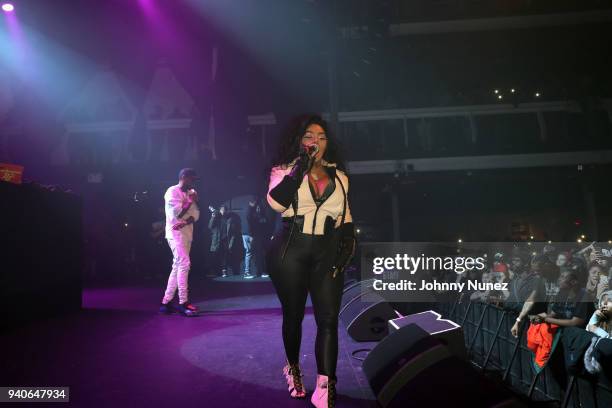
348, 282
410, 367
367, 321
447, 331
354, 291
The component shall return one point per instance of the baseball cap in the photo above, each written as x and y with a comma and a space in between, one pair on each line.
188, 172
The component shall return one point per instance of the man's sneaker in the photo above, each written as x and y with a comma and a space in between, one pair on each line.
265, 275
187, 309
191, 307
167, 308
224, 273
248, 276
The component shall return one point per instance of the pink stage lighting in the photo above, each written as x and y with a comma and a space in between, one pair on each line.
7, 7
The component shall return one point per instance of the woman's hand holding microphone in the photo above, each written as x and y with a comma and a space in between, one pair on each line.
304, 162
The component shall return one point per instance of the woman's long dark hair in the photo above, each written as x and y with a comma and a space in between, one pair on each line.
291, 139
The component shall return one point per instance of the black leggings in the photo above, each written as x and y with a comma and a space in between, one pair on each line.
306, 268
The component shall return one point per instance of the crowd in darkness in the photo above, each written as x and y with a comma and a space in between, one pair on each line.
556, 287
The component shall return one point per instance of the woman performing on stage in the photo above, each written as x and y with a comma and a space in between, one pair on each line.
309, 187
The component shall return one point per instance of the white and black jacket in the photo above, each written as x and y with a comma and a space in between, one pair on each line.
281, 194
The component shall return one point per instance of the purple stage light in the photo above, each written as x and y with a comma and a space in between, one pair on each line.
8, 7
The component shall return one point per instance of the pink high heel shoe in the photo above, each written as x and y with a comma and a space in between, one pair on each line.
324, 396
293, 375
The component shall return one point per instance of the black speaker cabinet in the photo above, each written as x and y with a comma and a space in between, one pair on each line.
354, 290
41, 253
410, 367
447, 331
367, 321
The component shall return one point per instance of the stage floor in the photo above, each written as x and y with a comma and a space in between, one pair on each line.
119, 351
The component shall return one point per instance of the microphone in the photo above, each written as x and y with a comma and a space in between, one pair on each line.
310, 150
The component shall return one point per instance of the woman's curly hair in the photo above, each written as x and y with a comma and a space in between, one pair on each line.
291, 139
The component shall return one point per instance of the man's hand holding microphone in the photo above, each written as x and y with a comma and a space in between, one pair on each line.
192, 197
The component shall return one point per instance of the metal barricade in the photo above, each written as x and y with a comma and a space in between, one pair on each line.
492, 349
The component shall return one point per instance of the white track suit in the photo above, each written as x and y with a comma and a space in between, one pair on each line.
179, 241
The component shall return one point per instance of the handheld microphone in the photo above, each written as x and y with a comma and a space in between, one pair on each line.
310, 150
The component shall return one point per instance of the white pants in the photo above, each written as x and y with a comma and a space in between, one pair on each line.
180, 270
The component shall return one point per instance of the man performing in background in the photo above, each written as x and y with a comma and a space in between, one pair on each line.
252, 236
218, 240
225, 241
181, 212
247, 237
